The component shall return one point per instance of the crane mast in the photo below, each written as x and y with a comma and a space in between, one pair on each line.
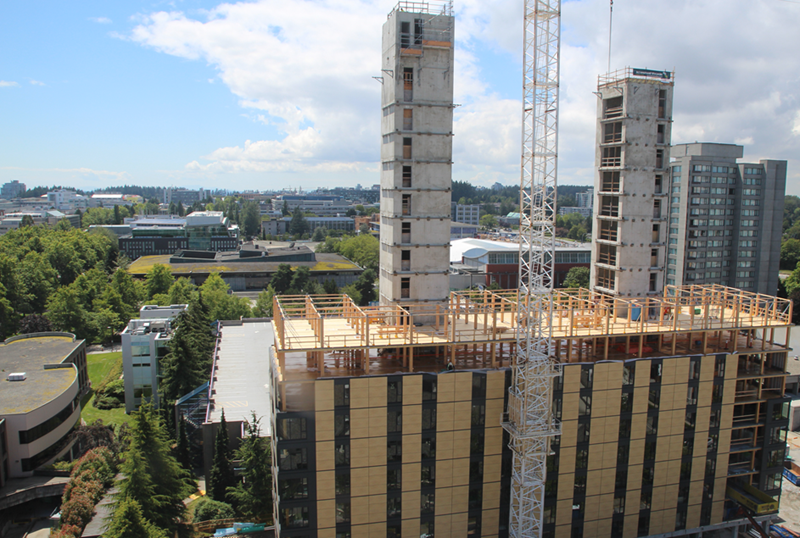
529, 419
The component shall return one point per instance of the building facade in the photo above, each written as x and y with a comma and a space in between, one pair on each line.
416, 153
465, 213
670, 406
726, 218
634, 124
44, 379
12, 189
144, 344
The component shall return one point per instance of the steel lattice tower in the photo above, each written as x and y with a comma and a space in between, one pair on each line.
530, 422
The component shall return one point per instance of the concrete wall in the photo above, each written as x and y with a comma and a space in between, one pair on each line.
430, 104
25, 421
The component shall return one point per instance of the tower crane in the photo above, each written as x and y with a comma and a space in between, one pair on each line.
529, 420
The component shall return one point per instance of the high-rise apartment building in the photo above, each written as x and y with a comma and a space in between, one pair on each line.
725, 219
634, 116
416, 153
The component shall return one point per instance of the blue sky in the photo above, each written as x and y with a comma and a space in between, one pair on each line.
267, 95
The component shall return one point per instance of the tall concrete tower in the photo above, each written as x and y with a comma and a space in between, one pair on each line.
634, 124
416, 153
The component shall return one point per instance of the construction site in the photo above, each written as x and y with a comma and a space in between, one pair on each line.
634, 408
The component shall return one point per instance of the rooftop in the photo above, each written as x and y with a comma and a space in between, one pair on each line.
238, 386
323, 263
476, 329
30, 355
638, 73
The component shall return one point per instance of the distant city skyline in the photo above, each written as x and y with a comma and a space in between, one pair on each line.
267, 95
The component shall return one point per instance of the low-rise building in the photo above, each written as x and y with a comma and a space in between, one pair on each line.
483, 261
318, 204
200, 230
466, 213
144, 344
44, 377
13, 221
283, 225
251, 269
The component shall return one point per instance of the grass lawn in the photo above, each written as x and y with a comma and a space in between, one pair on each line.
98, 365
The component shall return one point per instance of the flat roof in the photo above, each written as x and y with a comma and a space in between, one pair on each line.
242, 377
30, 355
325, 262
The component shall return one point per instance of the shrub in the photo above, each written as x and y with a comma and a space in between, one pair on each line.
111, 396
101, 462
77, 511
68, 531
207, 509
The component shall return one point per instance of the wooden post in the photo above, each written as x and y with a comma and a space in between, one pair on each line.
410, 359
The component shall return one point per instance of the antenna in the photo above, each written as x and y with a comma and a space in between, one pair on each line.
610, 20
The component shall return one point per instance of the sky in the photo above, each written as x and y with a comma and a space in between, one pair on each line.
268, 95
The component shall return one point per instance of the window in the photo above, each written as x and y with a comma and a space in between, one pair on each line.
476, 471
656, 233
342, 454
626, 405
426, 529
652, 425
428, 448
341, 425
428, 418
408, 119
609, 206
394, 421
393, 479
405, 288
293, 459
406, 177
583, 433
405, 260
628, 371
611, 157
394, 451
342, 484
608, 230
341, 394
427, 505
660, 133
478, 414
612, 108
653, 281
587, 374
606, 278
393, 507
581, 458
408, 84
428, 476
662, 104
394, 392
610, 182
406, 204
619, 504
293, 488
407, 148
659, 158
291, 428
295, 517
585, 406
612, 132
625, 428
342, 512
405, 231
607, 254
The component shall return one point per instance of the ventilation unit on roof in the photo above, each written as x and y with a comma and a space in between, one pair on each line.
17, 376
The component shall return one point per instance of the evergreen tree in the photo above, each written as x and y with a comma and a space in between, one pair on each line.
366, 287
182, 369
253, 495
152, 476
182, 450
128, 522
221, 476
263, 306
298, 225
282, 279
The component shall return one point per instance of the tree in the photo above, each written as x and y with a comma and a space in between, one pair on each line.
67, 314
253, 495
34, 323
301, 280
488, 222
182, 453
182, 370
26, 221
251, 219
151, 475
577, 277
222, 304
221, 476
181, 291
330, 287
364, 228
298, 225
790, 253
263, 306
282, 279
285, 209
319, 234
128, 522
366, 287
158, 280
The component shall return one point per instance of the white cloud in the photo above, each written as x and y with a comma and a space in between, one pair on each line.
37, 82
101, 20
306, 68
84, 174
7, 83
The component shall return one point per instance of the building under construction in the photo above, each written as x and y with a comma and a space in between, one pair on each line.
670, 409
